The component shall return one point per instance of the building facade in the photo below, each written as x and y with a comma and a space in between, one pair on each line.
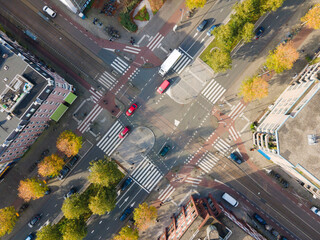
31, 96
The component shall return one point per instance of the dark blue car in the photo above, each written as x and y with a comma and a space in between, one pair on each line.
126, 184
126, 213
235, 157
259, 219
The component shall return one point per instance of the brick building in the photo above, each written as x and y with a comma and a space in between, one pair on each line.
30, 97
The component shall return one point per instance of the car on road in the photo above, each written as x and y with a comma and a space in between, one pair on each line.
49, 11
131, 110
31, 236
70, 193
23, 207
63, 173
164, 150
259, 219
126, 213
124, 132
258, 33
315, 210
48, 191
163, 86
74, 160
234, 156
209, 33
34, 220
126, 184
202, 25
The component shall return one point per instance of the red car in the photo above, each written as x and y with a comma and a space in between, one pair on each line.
124, 132
130, 111
163, 86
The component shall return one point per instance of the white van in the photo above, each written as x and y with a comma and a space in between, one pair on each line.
230, 199
49, 11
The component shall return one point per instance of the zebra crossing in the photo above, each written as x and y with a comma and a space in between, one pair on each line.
134, 50
110, 141
96, 95
221, 145
207, 162
155, 41
182, 62
93, 114
236, 111
147, 175
213, 91
166, 193
107, 80
120, 66
193, 181
233, 133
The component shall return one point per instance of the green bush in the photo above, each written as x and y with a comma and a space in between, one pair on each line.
125, 20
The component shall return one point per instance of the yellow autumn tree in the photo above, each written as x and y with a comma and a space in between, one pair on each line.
312, 18
8, 219
282, 58
144, 216
195, 3
253, 88
50, 166
69, 143
127, 233
32, 188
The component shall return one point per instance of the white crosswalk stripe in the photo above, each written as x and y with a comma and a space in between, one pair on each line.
134, 50
96, 95
213, 91
207, 162
120, 65
155, 42
93, 114
110, 141
221, 145
147, 175
236, 111
107, 80
194, 181
166, 193
181, 63
234, 134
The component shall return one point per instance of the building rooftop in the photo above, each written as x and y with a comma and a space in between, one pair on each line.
293, 137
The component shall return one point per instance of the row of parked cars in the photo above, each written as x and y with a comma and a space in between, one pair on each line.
279, 178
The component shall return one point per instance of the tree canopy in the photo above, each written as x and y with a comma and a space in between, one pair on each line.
75, 206
104, 201
69, 143
144, 216
127, 233
248, 32
49, 232
32, 188
219, 61
195, 3
8, 219
104, 172
312, 18
253, 88
50, 166
73, 229
282, 58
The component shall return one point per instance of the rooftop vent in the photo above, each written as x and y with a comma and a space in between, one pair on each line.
6, 67
312, 139
5, 79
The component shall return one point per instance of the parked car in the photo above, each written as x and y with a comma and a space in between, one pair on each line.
275, 233
31, 236
259, 219
278, 177
71, 192
48, 191
234, 156
34, 220
131, 110
164, 150
126, 184
74, 160
49, 11
258, 33
315, 210
202, 25
268, 227
126, 213
163, 86
23, 207
124, 132
63, 173
209, 33
283, 238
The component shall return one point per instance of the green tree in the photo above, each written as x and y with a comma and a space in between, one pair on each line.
127, 233
69, 143
247, 32
105, 172
73, 229
144, 216
271, 5
75, 206
248, 11
218, 60
195, 3
224, 35
32, 188
253, 88
312, 18
282, 58
49, 232
50, 166
8, 219
104, 201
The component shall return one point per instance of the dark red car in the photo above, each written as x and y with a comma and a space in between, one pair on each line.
130, 111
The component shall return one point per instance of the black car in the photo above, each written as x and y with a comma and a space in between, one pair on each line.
34, 220
258, 33
23, 207
71, 192
63, 173
73, 160
164, 150
259, 219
